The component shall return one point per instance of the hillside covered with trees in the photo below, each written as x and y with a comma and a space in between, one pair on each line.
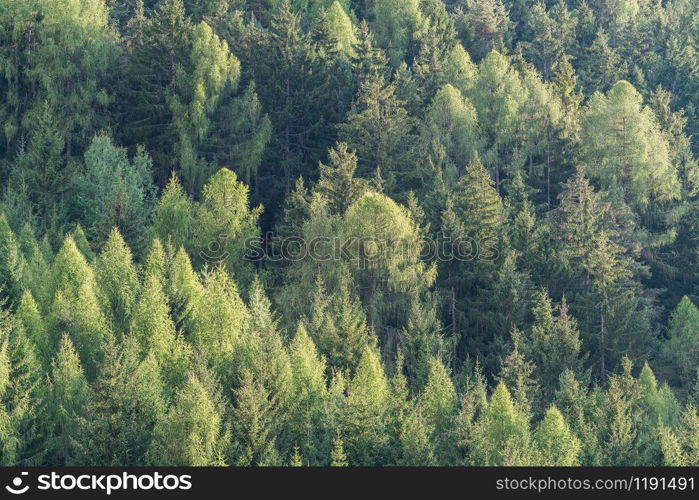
349, 232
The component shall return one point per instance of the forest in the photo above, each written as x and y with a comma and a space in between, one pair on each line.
349, 232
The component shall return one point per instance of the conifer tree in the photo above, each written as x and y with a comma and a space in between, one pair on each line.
184, 292
394, 24
156, 261
74, 306
338, 326
634, 151
501, 435
422, 340
222, 320
438, 404
459, 70
365, 419
173, 215
558, 446
307, 422
30, 319
379, 129
255, 432
114, 192
67, 397
337, 182
553, 344
337, 455
192, 431
680, 352
12, 263
681, 449
151, 325
127, 400
487, 24
416, 447
117, 280
24, 399
226, 224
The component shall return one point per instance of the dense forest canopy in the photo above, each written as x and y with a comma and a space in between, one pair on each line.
349, 232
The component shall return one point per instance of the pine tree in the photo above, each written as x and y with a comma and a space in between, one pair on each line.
67, 397
156, 261
553, 344
601, 66
117, 280
263, 383
80, 239
338, 326
173, 215
379, 131
337, 455
394, 24
307, 422
365, 419
192, 431
451, 128
221, 322
12, 263
184, 292
517, 372
487, 23
422, 340
151, 325
616, 420
498, 94
459, 70
113, 192
74, 306
226, 224
681, 449
24, 401
416, 447
29, 317
438, 404
558, 446
337, 182
680, 352
635, 151
369, 61
127, 400
255, 434
501, 435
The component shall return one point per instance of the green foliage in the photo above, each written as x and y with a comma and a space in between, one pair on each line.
366, 414
114, 192
558, 446
681, 349
192, 431
68, 394
634, 151
462, 198
501, 435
